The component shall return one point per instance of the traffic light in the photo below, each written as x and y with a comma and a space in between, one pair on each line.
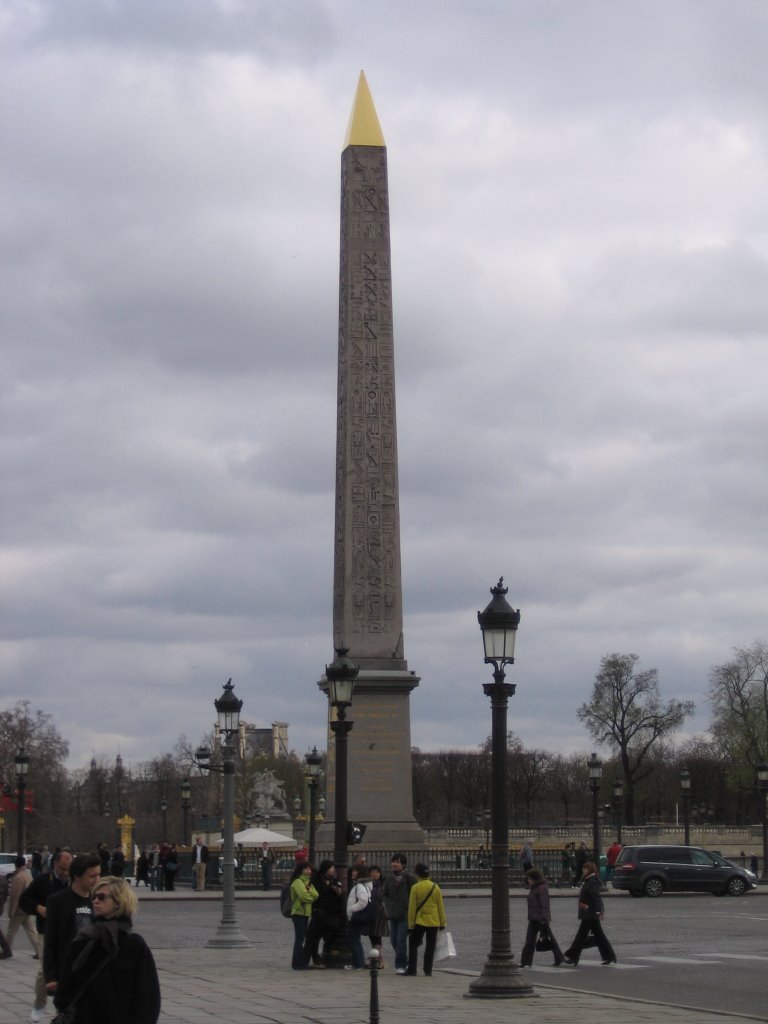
355, 833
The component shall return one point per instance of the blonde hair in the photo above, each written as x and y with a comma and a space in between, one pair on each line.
121, 893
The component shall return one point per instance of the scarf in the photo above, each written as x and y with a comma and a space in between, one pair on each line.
100, 934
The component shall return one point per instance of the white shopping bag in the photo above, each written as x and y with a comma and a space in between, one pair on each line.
445, 946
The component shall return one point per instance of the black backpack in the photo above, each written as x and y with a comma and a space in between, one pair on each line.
286, 900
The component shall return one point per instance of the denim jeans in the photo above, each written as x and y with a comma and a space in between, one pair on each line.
398, 936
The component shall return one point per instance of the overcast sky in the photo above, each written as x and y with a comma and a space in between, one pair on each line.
580, 271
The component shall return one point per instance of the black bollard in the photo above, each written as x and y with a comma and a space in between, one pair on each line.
373, 963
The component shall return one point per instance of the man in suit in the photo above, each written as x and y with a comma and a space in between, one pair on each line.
199, 862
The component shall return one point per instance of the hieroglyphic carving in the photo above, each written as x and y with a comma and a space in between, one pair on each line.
367, 582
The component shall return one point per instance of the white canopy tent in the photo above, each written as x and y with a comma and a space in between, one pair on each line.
257, 836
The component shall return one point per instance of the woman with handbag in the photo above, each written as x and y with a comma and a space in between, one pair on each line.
539, 921
109, 976
426, 914
361, 915
591, 910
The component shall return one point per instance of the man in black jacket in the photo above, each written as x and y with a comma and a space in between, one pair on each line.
68, 912
34, 900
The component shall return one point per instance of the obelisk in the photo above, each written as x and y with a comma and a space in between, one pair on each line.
367, 585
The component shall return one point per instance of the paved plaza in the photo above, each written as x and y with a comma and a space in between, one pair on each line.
255, 986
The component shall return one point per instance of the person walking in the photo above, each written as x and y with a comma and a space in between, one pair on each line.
170, 868
426, 915
142, 869
379, 927
539, 919
5, 888
199, 863
580, 858
611, 856
18, 918
34, 900
591, 913
304, 895
109, 974
395, 894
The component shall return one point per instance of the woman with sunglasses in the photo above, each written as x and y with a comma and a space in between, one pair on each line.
110, 975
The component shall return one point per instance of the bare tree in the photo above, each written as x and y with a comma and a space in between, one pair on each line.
738, 694
626, 713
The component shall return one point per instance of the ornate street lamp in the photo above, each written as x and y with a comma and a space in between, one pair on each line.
22, 770
685, 789
186, 793
501, 977
312, 768
341, 675
164, 812
618, 799
595, 766
228, 935
762, 778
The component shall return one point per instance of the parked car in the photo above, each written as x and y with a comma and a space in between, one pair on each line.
652, 870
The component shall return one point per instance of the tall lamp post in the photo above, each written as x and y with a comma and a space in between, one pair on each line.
595, 766
312, 763
227, 935
164, 813
618, 799
762, 778
341, 675
500, 977
186, 793
685, 789
22, 770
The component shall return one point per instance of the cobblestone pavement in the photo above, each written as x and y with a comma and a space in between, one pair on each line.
202, 986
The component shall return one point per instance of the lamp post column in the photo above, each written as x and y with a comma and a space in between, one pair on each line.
341, 675
685, 787
762, 777
618, 796
186, 793
595, 767
22, 768
500, 977
164, 813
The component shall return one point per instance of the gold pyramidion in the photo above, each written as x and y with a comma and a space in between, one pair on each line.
363, 128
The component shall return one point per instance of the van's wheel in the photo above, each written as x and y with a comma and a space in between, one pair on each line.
636, 893
653, 887
736, 886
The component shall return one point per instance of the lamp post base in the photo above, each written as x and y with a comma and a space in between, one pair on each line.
228, 936
501, 979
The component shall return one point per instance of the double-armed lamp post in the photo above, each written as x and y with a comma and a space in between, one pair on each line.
501, 977
228, 935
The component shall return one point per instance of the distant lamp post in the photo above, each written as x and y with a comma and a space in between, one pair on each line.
685, 789
762, 778
595, 766
22, 770
618, 800
500, 977
186, 794
228, 935
164, 812
312, 768
341, 675
296, 806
